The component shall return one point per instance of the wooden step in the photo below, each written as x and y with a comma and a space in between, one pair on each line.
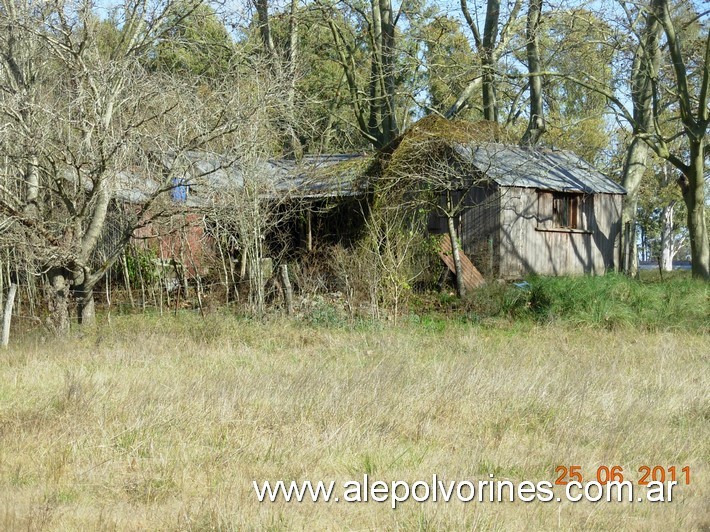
472, 278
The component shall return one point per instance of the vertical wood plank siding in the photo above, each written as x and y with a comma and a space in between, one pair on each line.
479, 229
505, 236
528, 247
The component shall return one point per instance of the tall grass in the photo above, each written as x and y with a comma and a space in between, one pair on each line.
163, 423
610, 301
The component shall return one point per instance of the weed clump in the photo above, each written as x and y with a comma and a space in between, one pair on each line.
610, 301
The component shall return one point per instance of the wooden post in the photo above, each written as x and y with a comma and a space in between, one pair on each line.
243, 266
309, 231
2, 285
108, 295
7, 316
127, 277
288, 291
460, 287
218, 239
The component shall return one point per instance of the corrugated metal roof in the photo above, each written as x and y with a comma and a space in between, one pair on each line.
209, 176
304, 177
308, 177
514, 166
320, 176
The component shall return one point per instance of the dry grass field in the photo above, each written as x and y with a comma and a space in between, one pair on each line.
163, 424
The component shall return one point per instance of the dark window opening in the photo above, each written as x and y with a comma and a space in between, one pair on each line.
565, 211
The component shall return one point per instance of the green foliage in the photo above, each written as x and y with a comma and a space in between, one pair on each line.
575, 44
659, 191
449, 62
141, 265
496, 300
611, 301
326, 314
197, 44
431, 323
323, 120
325, 117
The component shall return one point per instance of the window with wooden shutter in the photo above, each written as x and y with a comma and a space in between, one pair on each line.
563, 210
544, 210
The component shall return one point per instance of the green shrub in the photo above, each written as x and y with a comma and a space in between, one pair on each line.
141, 265
608, 301
497, 299
617, 300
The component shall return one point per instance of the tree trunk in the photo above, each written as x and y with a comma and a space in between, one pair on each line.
262, 11
85, 309
127, 279
694, 196
668, 249
293, 144
7, 315
374, 106
489, 49
243, 265
490, 103
536, 125
388, 59
695, 127
490, 33
58, 301
634, 168
643, 70
32, 187
382, 122
460, 287
461, 102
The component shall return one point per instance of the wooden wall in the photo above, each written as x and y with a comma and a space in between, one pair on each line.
529, 246
505, 236
479, 229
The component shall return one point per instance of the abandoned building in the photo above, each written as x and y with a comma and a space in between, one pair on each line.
536, 212
304, 197
522, 211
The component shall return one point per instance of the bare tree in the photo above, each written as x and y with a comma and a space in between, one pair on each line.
252, 201
284, 64
490, 48
88, 122
394, 232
